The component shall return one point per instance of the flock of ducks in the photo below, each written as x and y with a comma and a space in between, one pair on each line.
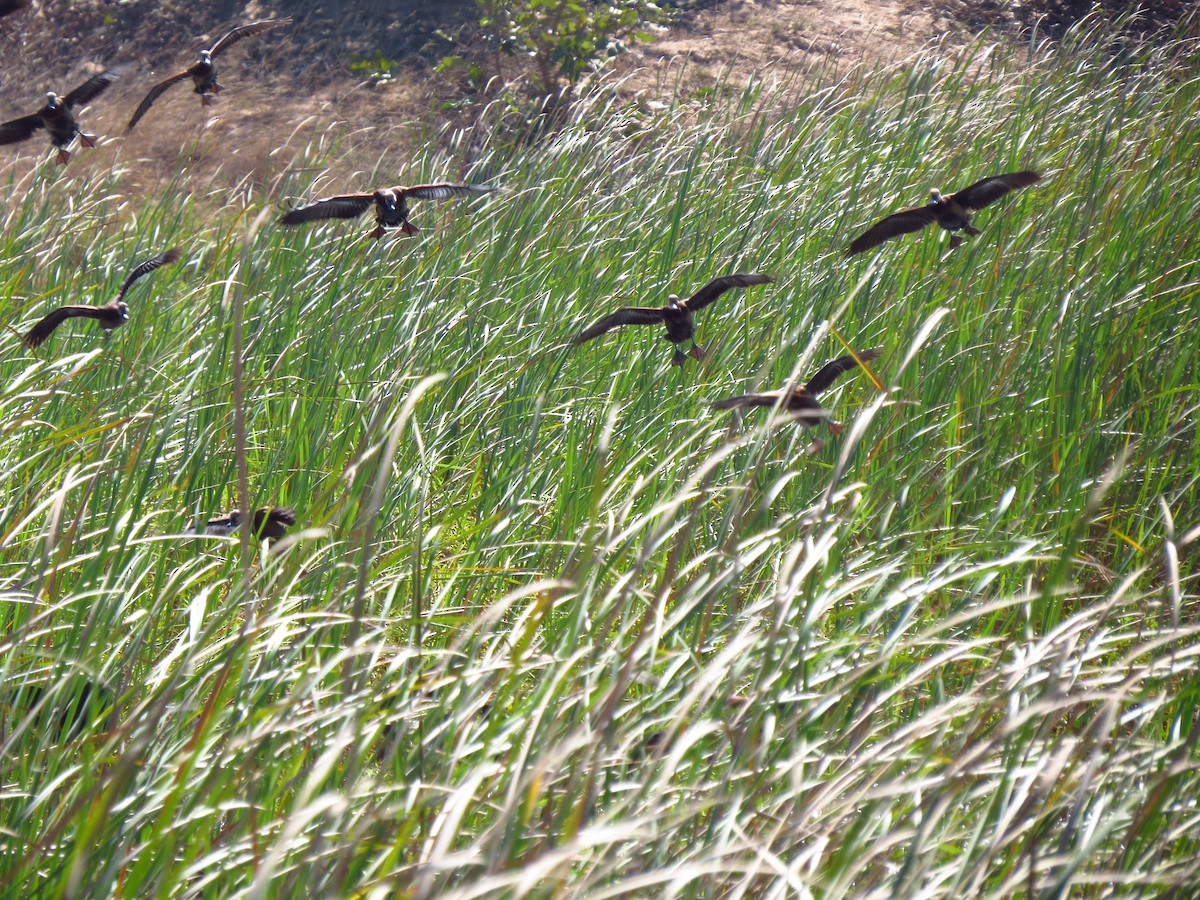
953, 212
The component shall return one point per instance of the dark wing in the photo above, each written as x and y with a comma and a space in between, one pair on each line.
245, 31
989, 190
43, 329
146, 268
273, 522
8, 7
631, 315
284, 515
89, 90
441, 191
20, 129
768, 399
830, 372
344, 206
718, 286
903, 222
153, 95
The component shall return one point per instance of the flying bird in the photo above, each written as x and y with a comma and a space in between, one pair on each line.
802, 401
391, 205
110, 315
203, 72
677, 315
58, 117
271, 522
953, 213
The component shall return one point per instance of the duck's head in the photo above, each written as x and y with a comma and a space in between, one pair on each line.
935, 197
389, 199
52, 100
673, 301
123, 309
206, 57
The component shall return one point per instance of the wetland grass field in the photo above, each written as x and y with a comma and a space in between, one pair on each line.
550, 626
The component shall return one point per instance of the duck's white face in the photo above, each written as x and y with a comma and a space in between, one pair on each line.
205, 57
52, 99
935, 196
123, 309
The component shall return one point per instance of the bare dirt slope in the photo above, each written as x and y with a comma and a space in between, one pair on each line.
296, 87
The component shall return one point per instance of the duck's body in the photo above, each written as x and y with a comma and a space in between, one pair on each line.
391, 205
269, 523
678, 316
802, 402
203, 72
953, 212
109, 315
58, 118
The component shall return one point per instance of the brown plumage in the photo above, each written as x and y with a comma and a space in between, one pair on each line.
677, 315
952, 213
802, 401
203, 72
58, 117
8, 7
110, 315
391, 205
270, 523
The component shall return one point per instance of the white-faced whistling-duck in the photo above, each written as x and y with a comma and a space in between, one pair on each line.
677, 315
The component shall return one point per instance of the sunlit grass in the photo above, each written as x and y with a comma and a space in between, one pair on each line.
551, 625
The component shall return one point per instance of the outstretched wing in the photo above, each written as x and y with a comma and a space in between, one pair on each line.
273, 522
146, 268
153, 95
441, 191
770, 398
248, 30
344, 206
718, 286
43, 329
631, 315
989, 190
830, 372
89, 90
284, 515
903, 222
20, 129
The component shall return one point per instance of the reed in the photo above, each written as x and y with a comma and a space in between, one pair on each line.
553, 627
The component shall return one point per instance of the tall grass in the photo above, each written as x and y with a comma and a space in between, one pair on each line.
552, 626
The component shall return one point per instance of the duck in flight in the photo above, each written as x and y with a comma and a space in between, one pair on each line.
203, 72
270, 523
801, 402
953, 213
678, 315
391, 205
110, 315
58, 117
